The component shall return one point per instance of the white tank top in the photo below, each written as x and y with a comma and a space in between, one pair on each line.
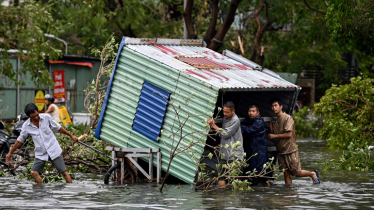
55, 114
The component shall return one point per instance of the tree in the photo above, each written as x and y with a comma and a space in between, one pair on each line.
22, 28
89, 23
351, 24
287, 36
348, 112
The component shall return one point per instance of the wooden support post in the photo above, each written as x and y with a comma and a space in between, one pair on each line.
159, 167
136, 169
122, 170
151, 166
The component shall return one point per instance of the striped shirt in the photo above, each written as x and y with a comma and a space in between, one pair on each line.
45, 141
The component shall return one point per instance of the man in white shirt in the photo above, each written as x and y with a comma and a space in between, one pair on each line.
40, 126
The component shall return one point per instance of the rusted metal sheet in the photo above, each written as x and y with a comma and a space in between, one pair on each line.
212, 67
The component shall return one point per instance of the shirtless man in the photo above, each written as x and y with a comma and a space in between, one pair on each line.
283, 131
52, 108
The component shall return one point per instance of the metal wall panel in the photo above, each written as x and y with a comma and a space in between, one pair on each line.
151, 111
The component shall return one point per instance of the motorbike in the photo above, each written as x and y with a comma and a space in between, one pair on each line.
7, 140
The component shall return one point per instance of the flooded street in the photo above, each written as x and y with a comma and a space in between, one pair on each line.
339, 190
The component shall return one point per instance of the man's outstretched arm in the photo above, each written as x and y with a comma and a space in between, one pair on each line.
9, 155
64, 131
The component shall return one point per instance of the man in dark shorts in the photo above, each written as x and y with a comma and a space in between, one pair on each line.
283, 131
254, 141
40, 126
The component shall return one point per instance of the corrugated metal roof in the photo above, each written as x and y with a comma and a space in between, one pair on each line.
211, 67
151, 111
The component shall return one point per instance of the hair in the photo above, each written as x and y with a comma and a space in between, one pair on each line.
276, 100
30, 109
229, 104
253, 106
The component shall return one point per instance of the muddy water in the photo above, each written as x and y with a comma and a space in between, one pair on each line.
339, 190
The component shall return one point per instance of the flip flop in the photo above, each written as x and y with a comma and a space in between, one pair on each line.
317, 180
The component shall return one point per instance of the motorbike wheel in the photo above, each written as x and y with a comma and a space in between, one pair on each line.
113, 175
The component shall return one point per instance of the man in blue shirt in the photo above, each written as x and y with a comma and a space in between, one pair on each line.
40, 126
254, 139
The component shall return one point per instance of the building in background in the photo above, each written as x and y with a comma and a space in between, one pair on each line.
77, 71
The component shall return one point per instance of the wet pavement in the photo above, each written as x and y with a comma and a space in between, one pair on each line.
339, 190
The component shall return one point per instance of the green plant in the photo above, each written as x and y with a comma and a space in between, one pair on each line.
2, 173
359, 159
348, 112
306, 124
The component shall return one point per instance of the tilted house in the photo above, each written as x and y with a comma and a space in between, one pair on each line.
150, 72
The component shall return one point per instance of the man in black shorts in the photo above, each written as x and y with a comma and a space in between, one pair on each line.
40, 126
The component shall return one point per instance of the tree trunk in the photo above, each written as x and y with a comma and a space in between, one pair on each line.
213, 22
187, 14
216, 42
257, 54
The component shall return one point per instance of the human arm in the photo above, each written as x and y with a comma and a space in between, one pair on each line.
212, 124
271, 126
252, 130
9, 155
226, 132
50, 109
288, 134
64, 131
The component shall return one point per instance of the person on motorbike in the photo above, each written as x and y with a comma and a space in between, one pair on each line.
40, 127
52, 108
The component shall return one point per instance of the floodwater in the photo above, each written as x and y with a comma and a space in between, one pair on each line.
339, 190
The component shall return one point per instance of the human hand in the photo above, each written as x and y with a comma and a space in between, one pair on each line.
8, 158
210, 121
272, 136
74, 138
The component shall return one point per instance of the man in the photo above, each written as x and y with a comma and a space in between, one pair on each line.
254, 140
230, 134
52, 108
283, 131
40, 126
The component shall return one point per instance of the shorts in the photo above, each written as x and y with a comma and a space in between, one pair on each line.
58, 163
290, 162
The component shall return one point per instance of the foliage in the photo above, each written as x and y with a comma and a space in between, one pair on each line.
348, 112
49, 176
307, 125
351, 24
2, 173
93, 21
95, 92
353, 159
80, 157
22, 28
294, 39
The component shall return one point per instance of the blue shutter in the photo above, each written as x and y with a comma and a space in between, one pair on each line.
151, 111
